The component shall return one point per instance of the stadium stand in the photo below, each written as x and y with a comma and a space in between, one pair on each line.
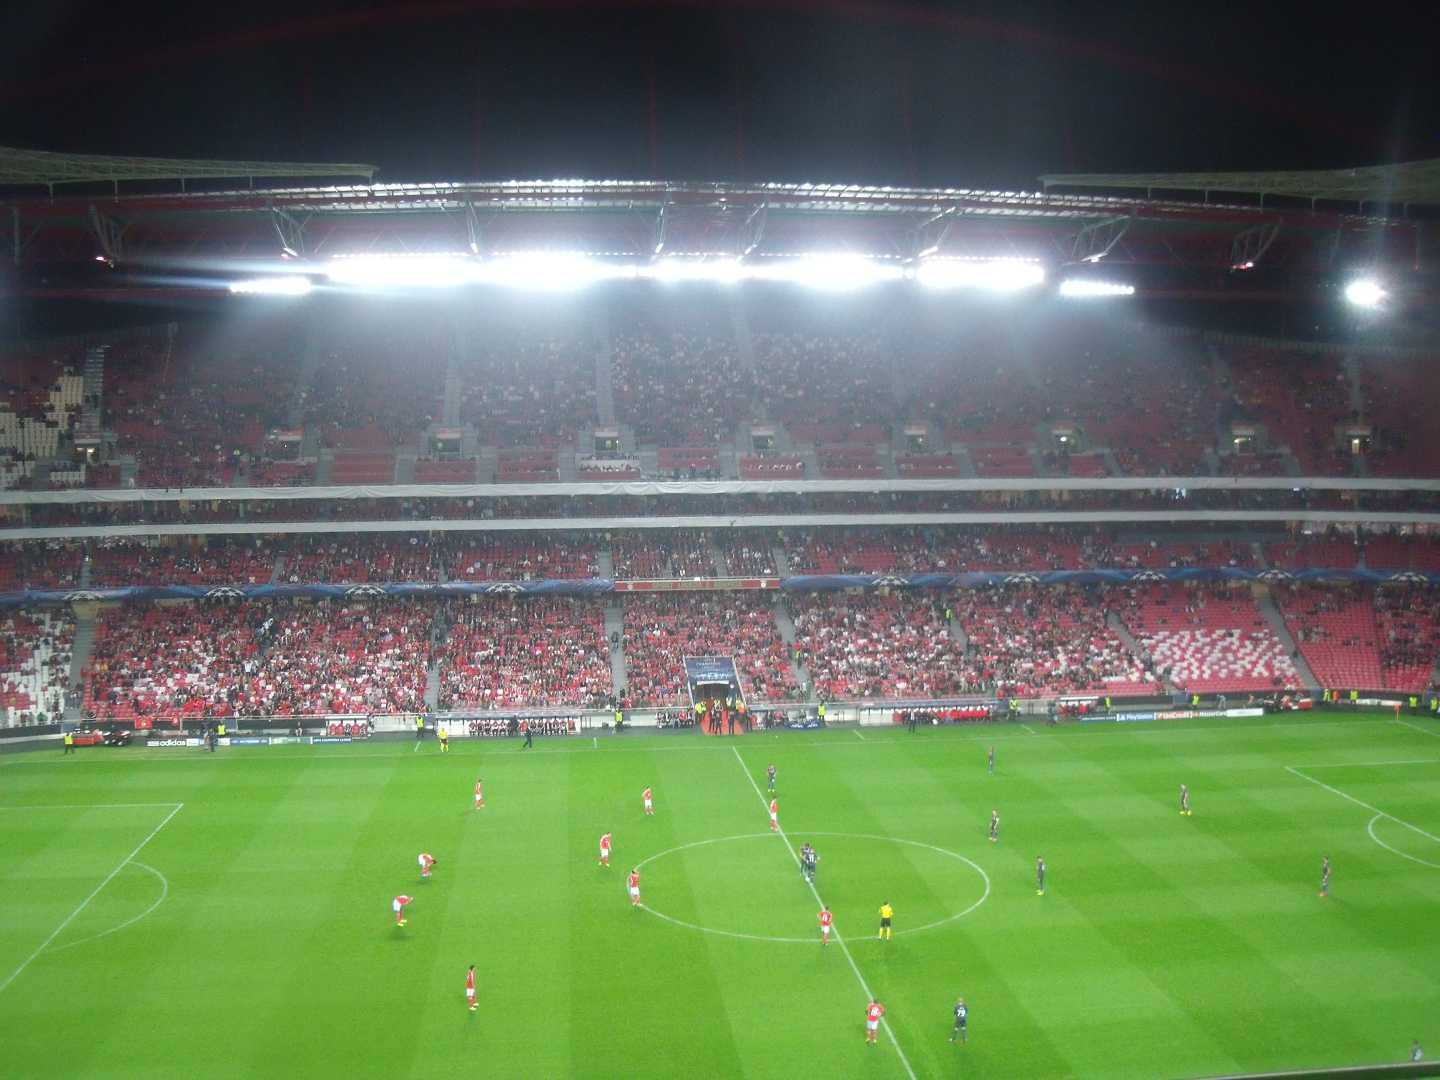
660, 631
35, 653
1208, 639
877, 646
507, 653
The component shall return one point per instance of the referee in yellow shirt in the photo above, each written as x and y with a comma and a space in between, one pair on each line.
886, 913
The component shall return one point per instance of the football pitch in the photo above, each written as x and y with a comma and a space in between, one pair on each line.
174, 913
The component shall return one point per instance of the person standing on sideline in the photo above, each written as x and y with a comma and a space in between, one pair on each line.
529, 734
419, 728
67, 744
1039, 876
444, 734
1416, 1054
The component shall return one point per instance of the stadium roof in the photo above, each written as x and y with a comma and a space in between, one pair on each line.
41, 168
1411, 182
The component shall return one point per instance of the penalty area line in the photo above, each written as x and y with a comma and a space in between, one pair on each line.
869, 995
1416, 727
1361, 803
177, 807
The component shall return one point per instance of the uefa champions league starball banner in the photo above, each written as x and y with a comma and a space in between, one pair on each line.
798, 583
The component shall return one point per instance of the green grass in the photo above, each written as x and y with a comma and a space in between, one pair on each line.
1165, 946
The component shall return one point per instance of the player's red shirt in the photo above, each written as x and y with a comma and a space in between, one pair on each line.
427, 861
634, 880
645, 794
470, 980
605, 840
774, 806
403, 900
874, 1011
825, 918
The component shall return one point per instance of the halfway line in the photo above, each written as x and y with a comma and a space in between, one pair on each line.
869, 996
86, 902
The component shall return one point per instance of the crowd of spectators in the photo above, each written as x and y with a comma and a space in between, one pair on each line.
877, 646
529, 391
356, 558
661, 630
185, 561
679, 389
35, 656
515, 652
662, 553
1032, 642
41, 564
525, 557
1408, 634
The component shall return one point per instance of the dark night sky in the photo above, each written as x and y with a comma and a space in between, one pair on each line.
921, 92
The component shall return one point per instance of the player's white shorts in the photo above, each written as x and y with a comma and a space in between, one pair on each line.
872, 1025
604, 853
421, 862
774, 819
825, 931
469, 994
396, 905
649, 805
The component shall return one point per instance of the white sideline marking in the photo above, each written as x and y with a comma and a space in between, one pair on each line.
90, 806
858, 735
1028, 728
1416, 727
175, 809
164, 892
1394, 850
1364, 764
869, 996
1358, 802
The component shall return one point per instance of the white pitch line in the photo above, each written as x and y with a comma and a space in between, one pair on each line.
858, 734
1394, 850
164, 892
1362, 803
869, 995
1416, 727
1364, 764
1031, 730
91, 806
177, 807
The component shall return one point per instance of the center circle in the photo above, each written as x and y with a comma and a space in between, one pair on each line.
914, 847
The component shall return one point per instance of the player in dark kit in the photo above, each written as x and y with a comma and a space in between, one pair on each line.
962, 1018
770, 778
1184, 800
1039, 876
811, 858
1325, 877
994, 826
990, 759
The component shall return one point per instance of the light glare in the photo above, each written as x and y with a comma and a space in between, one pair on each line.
997, 275
840, 272
1081, 289
291, 285
1365, 292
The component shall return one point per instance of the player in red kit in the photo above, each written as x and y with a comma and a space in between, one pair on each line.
633, 881
774, 815
470, 988
825, 920
399, 908
479, 797
427, 863
649, 802
873, 1012
605, 850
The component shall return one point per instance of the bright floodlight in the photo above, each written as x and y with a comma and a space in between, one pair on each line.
289, 285
716, 271
997, 275
549, 271
1366, 292
400, 271
838, 272
1080, 288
